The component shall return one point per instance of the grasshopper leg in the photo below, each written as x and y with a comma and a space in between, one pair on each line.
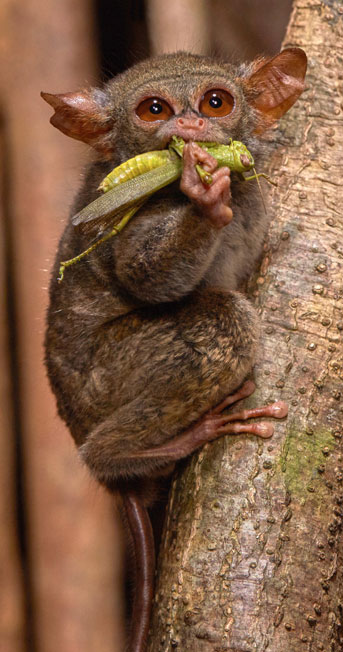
114, 231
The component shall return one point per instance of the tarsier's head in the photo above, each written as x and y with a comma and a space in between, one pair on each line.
195, 97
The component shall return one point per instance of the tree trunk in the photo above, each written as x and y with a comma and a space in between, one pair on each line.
251, 558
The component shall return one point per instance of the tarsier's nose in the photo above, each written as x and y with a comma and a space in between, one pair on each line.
192, 122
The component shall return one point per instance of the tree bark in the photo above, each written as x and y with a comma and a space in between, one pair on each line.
252, 553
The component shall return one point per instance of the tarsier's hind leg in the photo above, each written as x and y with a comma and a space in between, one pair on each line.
173, 413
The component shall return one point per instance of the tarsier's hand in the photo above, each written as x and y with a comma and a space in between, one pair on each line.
214, 199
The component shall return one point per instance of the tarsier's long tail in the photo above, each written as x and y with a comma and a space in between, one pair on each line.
144, 557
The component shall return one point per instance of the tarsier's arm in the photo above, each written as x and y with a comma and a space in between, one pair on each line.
164, 257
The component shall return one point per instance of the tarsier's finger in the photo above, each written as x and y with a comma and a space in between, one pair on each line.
217, 174
215, 192
225, 186
194, 154
226, 197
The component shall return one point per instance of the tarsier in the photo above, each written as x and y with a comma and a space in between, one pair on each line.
149, 333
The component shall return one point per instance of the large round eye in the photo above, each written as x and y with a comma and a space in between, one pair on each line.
216, 103
153, 109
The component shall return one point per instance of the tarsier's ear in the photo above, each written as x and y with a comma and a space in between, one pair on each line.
82, 115
275, 84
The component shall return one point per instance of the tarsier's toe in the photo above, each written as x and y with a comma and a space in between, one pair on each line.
264, 430
279, 410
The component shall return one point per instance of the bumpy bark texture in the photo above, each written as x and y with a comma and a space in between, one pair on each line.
252, 554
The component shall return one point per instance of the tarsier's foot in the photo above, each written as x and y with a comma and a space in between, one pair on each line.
214, 423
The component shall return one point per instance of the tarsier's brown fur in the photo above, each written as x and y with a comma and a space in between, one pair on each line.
148, 332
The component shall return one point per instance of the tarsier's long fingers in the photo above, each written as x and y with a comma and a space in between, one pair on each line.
212, 199
195, 154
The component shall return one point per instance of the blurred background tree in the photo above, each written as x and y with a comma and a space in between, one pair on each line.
60, 546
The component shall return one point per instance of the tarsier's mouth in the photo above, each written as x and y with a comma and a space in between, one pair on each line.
187, 138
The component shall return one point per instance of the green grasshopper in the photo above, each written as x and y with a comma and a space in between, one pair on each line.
129, 185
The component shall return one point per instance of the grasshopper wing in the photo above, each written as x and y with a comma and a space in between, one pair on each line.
102, 211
